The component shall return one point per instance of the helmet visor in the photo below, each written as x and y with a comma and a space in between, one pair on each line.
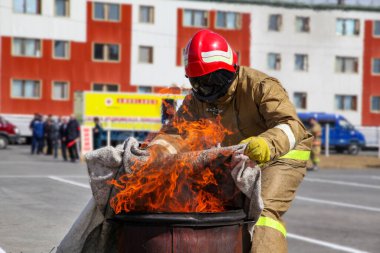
212, 86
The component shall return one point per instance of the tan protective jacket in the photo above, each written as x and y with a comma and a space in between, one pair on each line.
255, 105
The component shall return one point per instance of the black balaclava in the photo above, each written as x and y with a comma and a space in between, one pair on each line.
209, 88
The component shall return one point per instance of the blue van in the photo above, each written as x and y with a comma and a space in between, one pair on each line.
343, 135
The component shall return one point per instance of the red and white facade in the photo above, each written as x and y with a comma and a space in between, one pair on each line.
149, 54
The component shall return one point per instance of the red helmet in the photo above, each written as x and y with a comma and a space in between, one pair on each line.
207, 52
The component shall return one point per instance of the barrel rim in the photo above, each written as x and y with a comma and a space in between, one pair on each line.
225, 218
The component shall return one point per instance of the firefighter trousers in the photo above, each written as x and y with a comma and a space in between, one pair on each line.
280, 180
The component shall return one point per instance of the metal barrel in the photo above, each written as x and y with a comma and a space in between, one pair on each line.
181, 232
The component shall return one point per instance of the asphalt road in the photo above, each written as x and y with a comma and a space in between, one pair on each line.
335, 210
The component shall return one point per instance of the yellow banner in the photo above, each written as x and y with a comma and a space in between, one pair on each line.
125, 111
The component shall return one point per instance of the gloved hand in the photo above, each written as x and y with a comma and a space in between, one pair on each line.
257, 149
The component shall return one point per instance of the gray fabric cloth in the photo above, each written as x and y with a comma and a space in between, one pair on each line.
92, 231
247, 177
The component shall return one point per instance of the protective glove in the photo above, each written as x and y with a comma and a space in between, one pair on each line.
257, 149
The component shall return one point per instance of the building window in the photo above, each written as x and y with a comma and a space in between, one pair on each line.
376, 28
106, 52
60, 90
26, 89
146, 14
145, 54
26, 47
346, 64
303, 24
107, 12
238, 56
61, 49
301, 62
195, 18
62, 8
144, 89
183, 57
375, 104
105, 87
300, 100
27, 6
345, 103
228, 20
275, 22
347, 26
376, 66
274, 61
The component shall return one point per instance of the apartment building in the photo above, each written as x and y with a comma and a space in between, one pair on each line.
326, 56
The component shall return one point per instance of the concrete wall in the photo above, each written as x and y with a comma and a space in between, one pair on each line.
45, 25
322, 45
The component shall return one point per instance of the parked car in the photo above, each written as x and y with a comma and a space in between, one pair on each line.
343, 135
9, 133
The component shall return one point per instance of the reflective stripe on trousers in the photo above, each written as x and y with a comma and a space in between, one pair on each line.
302, 155
269, 222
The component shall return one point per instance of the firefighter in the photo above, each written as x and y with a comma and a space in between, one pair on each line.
257, 109
316, 131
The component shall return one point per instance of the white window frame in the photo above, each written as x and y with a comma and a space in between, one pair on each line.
373, 29
279, 57
237, 24
345, 96
105, 52
28, 98
23, 55
39, 3
67, 7
68, 90
357, 24
68, 50
372, 65
346, 58
150, 15
206, 15
105, 9
303, 18
104, 84
305, 63
150, 88
183, 50
151, 53
279, 23
303, 94
238, 55
370, 105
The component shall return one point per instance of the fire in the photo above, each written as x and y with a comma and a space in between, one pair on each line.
192, 181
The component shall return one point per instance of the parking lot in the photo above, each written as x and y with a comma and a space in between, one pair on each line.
335, 210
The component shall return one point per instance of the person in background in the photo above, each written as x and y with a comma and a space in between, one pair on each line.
48, 134
37, 128
316, 131
55, 136
35, 117
63, 137
72, 138
97, 133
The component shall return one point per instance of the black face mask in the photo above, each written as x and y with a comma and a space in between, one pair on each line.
209, 88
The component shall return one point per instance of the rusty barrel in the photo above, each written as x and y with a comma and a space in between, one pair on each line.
220, 232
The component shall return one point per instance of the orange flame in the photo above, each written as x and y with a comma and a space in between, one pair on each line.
185, 182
